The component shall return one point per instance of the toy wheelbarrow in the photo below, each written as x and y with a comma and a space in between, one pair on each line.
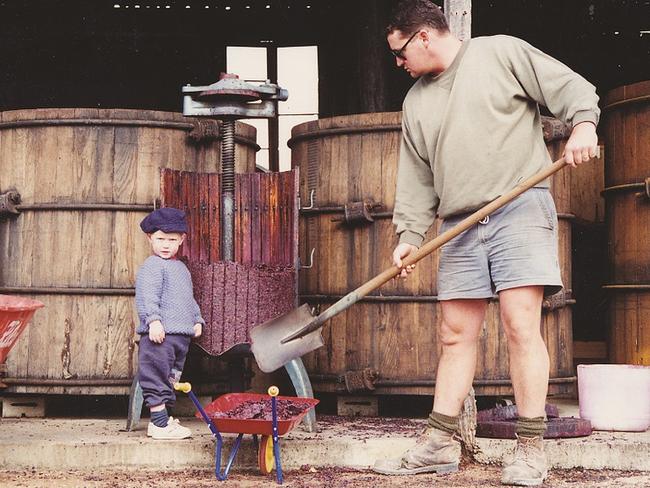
223, 416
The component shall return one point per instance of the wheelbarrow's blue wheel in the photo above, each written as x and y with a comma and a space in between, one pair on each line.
265, 457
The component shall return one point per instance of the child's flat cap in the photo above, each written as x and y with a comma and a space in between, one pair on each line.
167, 219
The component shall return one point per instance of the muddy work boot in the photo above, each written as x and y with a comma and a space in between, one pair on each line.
527, 466
435, 451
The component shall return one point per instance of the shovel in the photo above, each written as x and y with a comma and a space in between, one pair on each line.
289, 336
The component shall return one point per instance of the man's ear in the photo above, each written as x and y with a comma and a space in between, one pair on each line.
183, 235
426, 35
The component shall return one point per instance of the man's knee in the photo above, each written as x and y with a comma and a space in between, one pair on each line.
461, 321
454, 333
521, 311
448, 336
521, 332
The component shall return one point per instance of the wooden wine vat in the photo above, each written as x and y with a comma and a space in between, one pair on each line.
391, 335
86, 178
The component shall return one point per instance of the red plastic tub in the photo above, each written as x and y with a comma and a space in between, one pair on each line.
15, 314
253, 426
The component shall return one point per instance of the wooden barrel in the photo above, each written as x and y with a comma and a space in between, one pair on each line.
626, 113
391, 335
86, 178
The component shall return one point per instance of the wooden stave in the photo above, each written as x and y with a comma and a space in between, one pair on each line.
626, 114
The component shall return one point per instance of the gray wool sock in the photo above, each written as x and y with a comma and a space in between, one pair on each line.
443, 422
530, 427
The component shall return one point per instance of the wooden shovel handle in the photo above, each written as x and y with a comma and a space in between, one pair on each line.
461, 227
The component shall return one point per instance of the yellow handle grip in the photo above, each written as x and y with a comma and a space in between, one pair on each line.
184, 387
273, 391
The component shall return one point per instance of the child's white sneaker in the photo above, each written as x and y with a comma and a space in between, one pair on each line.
173, 430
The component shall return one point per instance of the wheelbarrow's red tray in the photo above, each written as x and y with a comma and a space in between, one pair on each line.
15, 314
230, 401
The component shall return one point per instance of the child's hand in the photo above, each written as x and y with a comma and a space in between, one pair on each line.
198, 330
156, 332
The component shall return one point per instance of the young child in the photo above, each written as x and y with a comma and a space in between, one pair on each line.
169, 318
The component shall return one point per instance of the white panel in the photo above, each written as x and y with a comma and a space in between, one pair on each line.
298, 73
249, 63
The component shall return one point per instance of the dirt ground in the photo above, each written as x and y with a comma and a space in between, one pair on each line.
470, 475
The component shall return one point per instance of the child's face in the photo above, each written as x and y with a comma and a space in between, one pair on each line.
165, 245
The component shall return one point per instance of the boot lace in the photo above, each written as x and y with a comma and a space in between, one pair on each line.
526, 451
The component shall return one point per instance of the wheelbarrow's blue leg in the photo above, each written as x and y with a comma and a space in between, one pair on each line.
217, 457
302, 385
219, 440
276, 440
135, 405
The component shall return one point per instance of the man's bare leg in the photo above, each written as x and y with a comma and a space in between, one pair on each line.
461, 325
529, 362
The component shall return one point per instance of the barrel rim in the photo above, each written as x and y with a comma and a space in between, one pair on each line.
350, 121
552, 128
625, 94
104, 116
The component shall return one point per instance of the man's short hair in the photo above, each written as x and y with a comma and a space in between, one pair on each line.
410, 15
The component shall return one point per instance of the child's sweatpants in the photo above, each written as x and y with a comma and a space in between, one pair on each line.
160, 365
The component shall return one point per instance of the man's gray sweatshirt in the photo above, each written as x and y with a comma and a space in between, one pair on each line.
474, 132
163, 291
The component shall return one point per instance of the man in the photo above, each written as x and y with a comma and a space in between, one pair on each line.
471, 131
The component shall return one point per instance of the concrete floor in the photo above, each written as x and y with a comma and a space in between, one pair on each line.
88, 444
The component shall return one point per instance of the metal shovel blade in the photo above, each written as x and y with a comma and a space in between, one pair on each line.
266, 339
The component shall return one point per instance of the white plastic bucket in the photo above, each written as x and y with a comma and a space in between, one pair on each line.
615, 396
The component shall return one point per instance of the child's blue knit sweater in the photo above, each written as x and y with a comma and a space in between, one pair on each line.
163, 291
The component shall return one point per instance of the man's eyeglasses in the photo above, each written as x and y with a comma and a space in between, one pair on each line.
399, 53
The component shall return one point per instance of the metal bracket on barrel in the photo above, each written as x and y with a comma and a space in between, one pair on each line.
311, 260
9, 200
358, 213
647, 188
643, 186
311, 201
558, 300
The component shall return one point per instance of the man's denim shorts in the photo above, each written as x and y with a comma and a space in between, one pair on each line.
515, 246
